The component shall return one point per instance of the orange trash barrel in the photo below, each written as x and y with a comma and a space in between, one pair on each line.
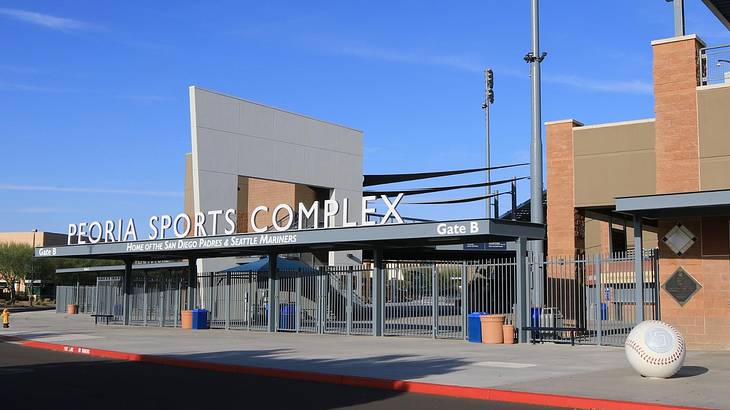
509, 334
72, 309
492, 329
187, 319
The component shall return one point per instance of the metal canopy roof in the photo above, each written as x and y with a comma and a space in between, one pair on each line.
120, 268
332, 239
704, 203
721, 9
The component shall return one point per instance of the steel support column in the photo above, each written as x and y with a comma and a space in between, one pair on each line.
597, 297
192, 282
522, 305
435, 301
163, 291
210, 294
657, 285
127, 289
321, 300
348, 312
464, 302
273, 293
228, 300
639, 268
298, 303
145, 306
378, 302
536, 187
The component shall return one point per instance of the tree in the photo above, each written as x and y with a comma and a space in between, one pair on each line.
15, 262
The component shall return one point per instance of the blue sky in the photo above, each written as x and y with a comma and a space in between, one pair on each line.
94, 118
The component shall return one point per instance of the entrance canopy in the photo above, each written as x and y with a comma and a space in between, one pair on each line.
332, 239
262, 266
686, 204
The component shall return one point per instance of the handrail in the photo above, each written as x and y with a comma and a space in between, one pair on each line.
714, 67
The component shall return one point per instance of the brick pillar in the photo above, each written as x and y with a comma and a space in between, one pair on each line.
675, 105
563, 223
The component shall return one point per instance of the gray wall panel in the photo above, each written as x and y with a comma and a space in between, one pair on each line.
233, 137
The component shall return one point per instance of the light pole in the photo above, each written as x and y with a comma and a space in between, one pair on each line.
678, 17
488, 100
534, 58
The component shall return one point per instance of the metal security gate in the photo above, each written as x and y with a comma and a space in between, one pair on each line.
235, 300
409, 299
82, 295
110, 298
597, 296
491, 288
155, 300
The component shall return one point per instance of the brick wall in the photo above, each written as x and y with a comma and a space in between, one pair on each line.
561, 216
675, 105
705, 319
270, 194
254, 192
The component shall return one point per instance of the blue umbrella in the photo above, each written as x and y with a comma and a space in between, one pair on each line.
262, 266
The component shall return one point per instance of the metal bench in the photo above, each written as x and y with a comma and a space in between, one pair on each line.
105, 317
537, 332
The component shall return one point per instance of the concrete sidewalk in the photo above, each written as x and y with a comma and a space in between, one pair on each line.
587, 371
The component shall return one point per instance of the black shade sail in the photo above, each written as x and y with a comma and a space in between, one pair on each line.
457, 201
440, 188
370, 180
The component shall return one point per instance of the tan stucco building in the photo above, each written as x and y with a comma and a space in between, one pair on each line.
38, 238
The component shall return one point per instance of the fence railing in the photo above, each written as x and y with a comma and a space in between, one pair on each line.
596, 295
82, 295
715, 65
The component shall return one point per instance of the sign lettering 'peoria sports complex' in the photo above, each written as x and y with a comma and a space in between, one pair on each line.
283, 217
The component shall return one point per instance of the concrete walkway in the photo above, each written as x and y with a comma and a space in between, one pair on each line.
587, 371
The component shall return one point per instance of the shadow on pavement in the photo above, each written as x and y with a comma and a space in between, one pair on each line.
386, 366
690, 371
45, 379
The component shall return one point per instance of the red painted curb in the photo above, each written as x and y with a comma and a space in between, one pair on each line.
478, 393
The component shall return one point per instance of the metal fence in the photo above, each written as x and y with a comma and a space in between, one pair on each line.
155, 299
715, 65
597, 296
82, 295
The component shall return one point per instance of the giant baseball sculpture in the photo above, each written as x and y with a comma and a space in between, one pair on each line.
655, 349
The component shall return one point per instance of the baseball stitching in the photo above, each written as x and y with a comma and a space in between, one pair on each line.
650, 358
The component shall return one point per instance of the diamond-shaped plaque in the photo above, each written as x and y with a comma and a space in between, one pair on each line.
682, 286
679, 239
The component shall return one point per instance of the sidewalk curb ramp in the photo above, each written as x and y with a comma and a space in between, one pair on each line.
464, 392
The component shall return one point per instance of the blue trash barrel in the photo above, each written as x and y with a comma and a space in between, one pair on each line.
200, 319
474, 327
604, 311
535, 316
287, 316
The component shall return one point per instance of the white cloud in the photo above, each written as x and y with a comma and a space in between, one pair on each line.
614, 86
46, 20
18, 69
34, 88
147, 98
38, 210
471, 65
43, 188
449, 61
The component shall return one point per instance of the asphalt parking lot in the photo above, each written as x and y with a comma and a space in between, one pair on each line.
33, 378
